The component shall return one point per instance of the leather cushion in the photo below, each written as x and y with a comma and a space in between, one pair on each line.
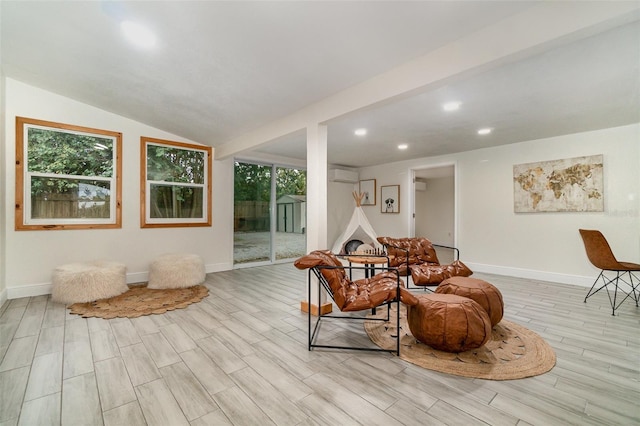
427, 274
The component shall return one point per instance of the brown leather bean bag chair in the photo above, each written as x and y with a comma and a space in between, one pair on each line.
483, 293
356, 295
448, 322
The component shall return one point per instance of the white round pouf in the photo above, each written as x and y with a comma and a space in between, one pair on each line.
176, 270
88, 281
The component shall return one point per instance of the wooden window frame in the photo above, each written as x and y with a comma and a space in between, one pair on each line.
24, 223
145, 219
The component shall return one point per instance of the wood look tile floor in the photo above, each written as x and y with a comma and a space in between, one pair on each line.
240, 357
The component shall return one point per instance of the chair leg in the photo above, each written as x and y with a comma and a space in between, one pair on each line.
620, 276
606, 281
398, 325
309, 309
591, 292
632, 292
615, 295
635, 287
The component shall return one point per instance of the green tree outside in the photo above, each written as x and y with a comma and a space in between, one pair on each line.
252, 182
52, 151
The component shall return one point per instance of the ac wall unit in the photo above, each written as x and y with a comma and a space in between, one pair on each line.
340, 175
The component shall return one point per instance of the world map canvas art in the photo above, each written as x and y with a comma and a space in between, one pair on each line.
569, 185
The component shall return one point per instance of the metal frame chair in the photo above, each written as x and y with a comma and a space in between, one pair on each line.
317, 272
601, 256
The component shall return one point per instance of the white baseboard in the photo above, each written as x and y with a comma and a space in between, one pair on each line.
3, 297
143, 277
218, 267
32, 290
29, 290
532, 274
137, 277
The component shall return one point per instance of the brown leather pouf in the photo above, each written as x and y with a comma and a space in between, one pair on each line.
487, 295
449, 323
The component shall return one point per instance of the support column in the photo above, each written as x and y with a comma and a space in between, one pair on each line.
316, 207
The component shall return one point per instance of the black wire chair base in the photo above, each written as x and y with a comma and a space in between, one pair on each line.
355, 348
323, 284
615, 282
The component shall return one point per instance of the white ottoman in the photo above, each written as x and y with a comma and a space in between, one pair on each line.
88, 281
176, 270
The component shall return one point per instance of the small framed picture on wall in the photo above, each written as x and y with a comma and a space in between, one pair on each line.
390, 199
368, 188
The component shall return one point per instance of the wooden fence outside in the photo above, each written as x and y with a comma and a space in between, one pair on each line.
67, 206
251, 216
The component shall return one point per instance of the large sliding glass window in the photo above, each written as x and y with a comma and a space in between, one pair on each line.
269, 213
291, 209
251, 216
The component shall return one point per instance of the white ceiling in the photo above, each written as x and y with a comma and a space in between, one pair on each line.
222, 69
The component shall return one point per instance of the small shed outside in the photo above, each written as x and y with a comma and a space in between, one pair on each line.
292, 213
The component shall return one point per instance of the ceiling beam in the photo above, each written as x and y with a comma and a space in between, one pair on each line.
545, 25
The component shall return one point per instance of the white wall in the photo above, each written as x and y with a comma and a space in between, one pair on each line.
32, 255
492, 238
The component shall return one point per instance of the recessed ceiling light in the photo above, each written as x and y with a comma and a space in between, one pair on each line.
360, 132
138, 34
451, 106
403, 146
485, 131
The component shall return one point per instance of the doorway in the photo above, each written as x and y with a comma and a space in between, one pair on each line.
269, 213
434, 205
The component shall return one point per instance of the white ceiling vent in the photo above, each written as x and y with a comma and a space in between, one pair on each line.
340, 175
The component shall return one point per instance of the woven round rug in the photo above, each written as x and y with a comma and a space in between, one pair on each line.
140, 300
514, 352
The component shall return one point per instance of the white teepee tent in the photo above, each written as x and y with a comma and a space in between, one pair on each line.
358, 220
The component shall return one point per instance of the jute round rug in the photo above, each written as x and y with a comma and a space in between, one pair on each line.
140, 300
514, 352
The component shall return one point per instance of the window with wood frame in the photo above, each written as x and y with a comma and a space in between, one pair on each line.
175, 184
67, 176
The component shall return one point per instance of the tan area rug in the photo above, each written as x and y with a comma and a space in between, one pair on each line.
514, 352
140, 300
